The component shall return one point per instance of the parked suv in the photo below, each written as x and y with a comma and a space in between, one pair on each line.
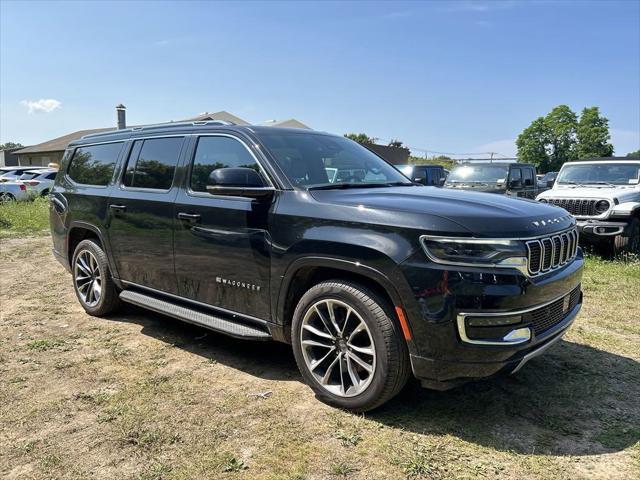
513, 179
605, 198
240, 229
430, 175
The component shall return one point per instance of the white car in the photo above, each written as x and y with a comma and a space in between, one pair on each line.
30, 184
604, 196
11, 174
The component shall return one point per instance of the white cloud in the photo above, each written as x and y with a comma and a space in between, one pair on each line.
44, 105
506, 148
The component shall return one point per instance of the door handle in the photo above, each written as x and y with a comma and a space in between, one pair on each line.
189, 217
118, 208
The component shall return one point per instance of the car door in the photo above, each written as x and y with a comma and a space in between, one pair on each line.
140, 213
514, 185
529, 183
222, 244
419, 175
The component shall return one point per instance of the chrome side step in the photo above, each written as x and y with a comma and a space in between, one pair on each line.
196, 317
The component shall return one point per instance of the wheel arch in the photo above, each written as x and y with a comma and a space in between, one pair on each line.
305, 272
79, 231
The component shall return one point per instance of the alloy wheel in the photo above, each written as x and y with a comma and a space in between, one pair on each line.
338, 348
88, 278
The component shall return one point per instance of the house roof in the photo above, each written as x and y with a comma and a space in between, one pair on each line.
60, 143
291, 123
221, 115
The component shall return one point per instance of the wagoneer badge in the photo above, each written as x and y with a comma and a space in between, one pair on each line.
238, 284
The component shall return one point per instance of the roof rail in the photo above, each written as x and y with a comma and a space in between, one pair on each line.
156, 126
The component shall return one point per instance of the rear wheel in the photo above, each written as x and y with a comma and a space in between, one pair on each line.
6, 197
629, 240
348, 347
92, 279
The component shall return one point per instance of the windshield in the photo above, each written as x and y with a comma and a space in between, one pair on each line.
478, 173
611, 173
312, 160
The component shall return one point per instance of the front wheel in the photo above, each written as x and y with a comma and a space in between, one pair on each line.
629, 240
348, 347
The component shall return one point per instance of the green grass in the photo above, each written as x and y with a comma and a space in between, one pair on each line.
19, 219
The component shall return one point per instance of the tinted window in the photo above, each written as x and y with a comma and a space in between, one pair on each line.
527, 173
420, 175
94, 165
152, 163
50, 176
477, 174
516, 174
218, 152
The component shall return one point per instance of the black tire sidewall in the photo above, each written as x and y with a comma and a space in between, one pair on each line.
106, 300
336, 290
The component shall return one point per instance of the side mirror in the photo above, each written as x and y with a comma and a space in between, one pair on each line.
238, 182
515, 184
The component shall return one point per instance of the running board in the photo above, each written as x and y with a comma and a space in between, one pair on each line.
196, 317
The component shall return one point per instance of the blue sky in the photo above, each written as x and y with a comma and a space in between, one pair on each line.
443, 76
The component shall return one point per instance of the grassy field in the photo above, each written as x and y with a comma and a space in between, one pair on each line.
141, 396
18, 219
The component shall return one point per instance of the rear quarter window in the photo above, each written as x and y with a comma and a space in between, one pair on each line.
94, 165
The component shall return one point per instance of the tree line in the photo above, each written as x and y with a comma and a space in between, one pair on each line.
561, 136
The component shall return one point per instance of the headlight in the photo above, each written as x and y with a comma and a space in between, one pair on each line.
475, 251
602, 206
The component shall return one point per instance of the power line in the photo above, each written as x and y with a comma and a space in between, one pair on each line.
427, 151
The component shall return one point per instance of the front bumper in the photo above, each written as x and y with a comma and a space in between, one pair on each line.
600, 228
442, 355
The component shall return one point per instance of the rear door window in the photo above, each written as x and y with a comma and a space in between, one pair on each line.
152, 163
94, 165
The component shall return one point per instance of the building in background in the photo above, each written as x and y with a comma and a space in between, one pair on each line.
52, 150
8, 158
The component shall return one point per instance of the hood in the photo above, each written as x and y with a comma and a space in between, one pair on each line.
574, 191
481, 214
477, 187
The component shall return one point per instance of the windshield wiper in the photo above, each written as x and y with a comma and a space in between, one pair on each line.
603, 183
340, 186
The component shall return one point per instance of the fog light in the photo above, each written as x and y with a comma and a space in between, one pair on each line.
497, 321
517, 336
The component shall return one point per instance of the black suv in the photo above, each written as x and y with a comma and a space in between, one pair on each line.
245, 230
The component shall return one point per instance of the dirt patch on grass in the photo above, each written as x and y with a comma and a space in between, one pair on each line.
143, 396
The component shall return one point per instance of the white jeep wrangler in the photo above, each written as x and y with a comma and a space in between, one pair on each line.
604, 196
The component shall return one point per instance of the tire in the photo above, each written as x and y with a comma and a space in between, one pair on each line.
44, 193
88, 268
6, 198
349, 385
629, 240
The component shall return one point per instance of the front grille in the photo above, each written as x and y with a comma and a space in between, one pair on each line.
583, 207
546, 317
548, 253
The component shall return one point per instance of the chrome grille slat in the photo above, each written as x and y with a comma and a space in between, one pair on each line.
551, 252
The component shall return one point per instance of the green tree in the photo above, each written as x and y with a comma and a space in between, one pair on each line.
10, 146
561, 124
395, 143
593, 135
635, 154
532, 145
361, 138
